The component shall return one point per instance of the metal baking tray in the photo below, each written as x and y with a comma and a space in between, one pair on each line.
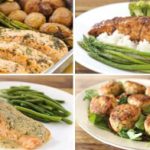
60, 66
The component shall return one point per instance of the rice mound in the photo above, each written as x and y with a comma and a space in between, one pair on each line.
124, 40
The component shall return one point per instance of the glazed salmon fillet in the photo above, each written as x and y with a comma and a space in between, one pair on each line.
138, 28
24, 131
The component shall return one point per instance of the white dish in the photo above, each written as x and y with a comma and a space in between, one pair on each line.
62, 134
83, 24
102, 135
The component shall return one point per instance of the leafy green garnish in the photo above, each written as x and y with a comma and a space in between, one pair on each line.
99, 121
123, 99
140, 123
123, 133
89, 94
146, 110
133, 135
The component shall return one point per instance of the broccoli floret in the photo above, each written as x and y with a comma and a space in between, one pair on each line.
138, 8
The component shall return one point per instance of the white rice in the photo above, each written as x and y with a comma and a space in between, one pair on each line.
124, 40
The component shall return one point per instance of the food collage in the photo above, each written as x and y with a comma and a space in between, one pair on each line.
74, 75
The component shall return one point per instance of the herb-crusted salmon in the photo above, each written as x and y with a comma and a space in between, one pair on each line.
33, 60
136, 27
49, 45
21, 129
11, 67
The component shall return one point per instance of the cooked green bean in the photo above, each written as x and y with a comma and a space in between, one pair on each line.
39, 115
35, 104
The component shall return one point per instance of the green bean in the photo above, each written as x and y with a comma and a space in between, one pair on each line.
39, 115
35, 104
57, 106
29, 105
67, 120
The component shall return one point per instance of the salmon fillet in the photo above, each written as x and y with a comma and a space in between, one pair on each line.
47, 44
10, 67
20, 129
33, 60
138, 28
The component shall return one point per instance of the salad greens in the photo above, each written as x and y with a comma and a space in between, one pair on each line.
140, 123
89, 94
123, 99
99, 121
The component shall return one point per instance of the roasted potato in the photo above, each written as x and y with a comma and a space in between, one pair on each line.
18, 15
45, 8
56, 29
69, 41
22, 3
32, 6
57, 3
8, 7
35, 20
62, 15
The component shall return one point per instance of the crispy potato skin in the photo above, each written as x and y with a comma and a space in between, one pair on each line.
131, 87
35, 20
18, 15
62, 15
32, 6
124, 116
8, 7
56, 29
102, 105
112, 87
139, 100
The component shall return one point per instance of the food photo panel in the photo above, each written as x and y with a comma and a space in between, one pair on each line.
36, 36
112, 112
36, 113
115, 40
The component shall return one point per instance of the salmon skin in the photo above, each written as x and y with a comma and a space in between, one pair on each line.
138, 28
16, 127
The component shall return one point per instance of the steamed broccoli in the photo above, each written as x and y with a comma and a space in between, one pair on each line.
140, 8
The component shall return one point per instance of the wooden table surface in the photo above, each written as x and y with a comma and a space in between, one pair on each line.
83, 140
61, 82
83, 6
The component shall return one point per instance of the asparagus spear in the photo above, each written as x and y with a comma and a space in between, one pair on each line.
120, 66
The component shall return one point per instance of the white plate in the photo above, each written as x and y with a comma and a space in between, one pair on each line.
62, 134
102, 135
83, 24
